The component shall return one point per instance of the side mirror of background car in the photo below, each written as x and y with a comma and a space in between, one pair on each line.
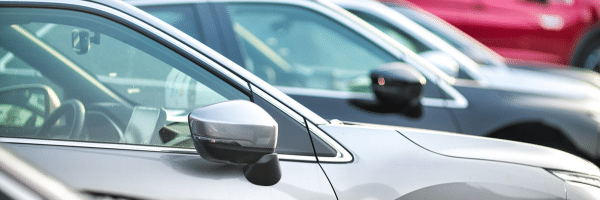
442, 61
238, 132
398, 88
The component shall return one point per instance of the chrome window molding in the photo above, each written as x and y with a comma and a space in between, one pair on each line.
458, 101
96, 145
432, 102
342, 155
288, 157
131, 147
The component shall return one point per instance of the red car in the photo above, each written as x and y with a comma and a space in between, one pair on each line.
557, 31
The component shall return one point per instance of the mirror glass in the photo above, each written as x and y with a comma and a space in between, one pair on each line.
80, 41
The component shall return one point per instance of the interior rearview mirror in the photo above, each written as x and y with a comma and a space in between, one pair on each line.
398, 88
442, 61
238, 132
80, 41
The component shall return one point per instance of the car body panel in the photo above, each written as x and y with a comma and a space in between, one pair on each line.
182, 175
20, 180
505, 151
581, 191
388, 181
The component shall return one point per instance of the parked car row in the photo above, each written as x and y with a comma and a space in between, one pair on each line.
111, 99
302, 58
565, 32
496, 93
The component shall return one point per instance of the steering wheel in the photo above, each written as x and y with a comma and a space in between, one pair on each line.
71, 108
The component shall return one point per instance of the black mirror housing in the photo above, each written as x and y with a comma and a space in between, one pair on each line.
398, 85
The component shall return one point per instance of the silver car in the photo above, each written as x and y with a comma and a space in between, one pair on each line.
122, 103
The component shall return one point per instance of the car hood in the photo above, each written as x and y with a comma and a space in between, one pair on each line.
538, 83
475, 147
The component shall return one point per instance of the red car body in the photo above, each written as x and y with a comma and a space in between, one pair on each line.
558, 31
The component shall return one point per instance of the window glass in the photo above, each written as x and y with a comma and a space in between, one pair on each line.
181, 17
450, 34
293, 136
395, 33
291, 46
129, 86
294, 47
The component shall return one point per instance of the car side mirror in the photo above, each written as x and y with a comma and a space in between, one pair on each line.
38, 98
398, 88
442, 61
238, 132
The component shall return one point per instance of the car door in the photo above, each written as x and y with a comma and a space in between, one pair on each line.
117, 87
318, 62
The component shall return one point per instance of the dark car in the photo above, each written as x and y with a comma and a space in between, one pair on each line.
120, 102
329, 67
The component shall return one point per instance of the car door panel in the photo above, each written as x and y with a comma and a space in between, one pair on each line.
163, 175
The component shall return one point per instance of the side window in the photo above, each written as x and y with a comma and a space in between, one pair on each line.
181, 17
95, 80
398, 35
293, 137
295, 47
